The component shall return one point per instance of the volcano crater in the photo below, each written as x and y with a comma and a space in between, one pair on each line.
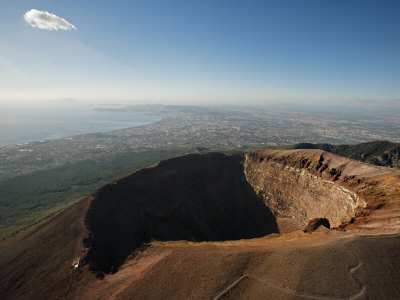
212, 197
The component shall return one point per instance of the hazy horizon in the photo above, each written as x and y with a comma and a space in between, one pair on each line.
30, 122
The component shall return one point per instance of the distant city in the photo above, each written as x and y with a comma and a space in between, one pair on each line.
211, 128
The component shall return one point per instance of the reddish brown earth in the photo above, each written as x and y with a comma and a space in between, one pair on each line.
209, 201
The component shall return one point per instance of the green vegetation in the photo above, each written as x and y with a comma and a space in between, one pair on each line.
29, 199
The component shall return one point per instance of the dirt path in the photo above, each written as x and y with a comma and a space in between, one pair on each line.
230, 287
274, 286
363, 288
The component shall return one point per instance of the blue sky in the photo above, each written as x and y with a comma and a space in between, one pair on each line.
216, 51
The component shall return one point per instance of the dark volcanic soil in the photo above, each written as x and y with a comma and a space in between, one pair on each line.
193, 197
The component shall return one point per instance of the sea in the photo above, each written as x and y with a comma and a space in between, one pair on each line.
29, 122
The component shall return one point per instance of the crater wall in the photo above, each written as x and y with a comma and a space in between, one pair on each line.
300, 187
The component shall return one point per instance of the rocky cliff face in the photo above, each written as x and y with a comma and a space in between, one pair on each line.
300, 186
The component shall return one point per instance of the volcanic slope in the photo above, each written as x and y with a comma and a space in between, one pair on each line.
221, 227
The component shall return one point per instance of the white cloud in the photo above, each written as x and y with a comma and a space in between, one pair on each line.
45, 20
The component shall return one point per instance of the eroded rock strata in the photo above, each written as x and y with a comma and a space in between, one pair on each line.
302, 186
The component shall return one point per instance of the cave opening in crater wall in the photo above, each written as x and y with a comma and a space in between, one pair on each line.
211, 197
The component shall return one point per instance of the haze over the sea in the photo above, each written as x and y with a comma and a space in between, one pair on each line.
51, 120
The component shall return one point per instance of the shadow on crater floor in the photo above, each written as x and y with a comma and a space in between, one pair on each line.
194, 198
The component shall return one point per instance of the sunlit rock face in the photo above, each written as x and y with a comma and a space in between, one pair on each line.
301, 186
